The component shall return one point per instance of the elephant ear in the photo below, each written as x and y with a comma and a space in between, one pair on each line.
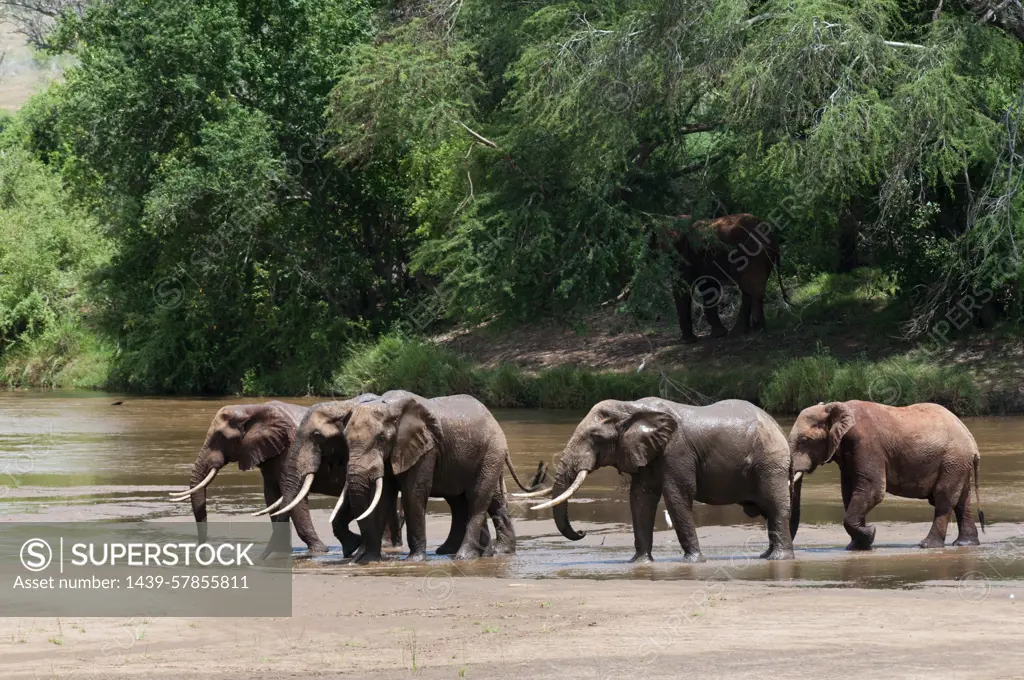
267, 432
644, 436
840, 420
418, 431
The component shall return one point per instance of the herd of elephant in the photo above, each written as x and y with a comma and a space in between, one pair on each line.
371, 451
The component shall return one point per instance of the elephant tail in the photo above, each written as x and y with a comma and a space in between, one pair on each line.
508, 462
977, 493
778, 273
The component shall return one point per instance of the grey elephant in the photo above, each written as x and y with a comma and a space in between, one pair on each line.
320, 445
444, 447
725, 453
918, 451
260, 436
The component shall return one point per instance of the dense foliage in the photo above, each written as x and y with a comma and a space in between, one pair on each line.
278, 179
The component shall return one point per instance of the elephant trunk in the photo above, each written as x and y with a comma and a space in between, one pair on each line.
303, 460
568, 476
209, 460
794, 505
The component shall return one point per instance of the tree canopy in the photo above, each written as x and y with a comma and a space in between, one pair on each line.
279, 178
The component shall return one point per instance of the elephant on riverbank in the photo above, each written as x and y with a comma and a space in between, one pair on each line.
443, 447
260, 436
728, 452
734, 250
321, 445
918, 451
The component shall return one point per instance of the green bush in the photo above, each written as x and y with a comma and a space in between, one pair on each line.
897, 382
398, 362
48, 249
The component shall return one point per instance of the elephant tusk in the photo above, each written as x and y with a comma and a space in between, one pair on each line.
303, 492
797, 476
182, 495
668, 520
533, 494
565, 496
337, 506
376, 499
270, 508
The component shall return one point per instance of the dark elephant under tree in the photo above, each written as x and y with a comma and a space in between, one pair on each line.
735, 250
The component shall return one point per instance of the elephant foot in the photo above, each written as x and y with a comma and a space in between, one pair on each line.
966, 540
862, 537
350, 546
318, 547
367, 558
470, 554
693, 557
416, 557
689, 339
719, 332
501, 549
777, 554
641, 559
932, 542
446, 549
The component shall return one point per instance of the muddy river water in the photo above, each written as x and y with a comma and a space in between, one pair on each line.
75, 456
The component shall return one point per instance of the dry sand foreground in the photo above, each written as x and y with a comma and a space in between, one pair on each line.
393, 627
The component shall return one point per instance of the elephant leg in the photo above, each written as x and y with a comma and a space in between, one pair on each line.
505, 534
684, 311
944, 496
742, 326
460, 515
350, 541
477, 505
757, 320
303, 522
862, 500
393, 528
967, 530
415, 523
711, 295
644, 494
679, 503
780, 543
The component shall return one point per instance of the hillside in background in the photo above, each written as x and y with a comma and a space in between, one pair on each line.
22, 72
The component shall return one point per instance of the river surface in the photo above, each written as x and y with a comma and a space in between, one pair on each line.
73, 456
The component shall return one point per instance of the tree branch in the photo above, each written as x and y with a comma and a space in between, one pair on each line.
478, 137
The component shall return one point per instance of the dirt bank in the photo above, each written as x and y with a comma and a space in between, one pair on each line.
488, 628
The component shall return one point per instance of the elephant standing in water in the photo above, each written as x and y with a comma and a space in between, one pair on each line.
321, 444
919, 451
734, 250
728, 452
445, 447
260, 435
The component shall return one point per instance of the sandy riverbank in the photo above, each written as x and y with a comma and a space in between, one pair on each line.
391, 627
809, 618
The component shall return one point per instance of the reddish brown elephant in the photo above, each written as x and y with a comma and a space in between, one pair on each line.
919, 451
734, 250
